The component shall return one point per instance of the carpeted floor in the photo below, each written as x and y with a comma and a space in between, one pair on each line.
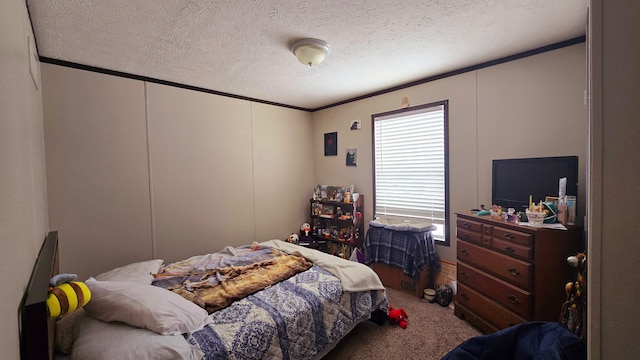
432, 332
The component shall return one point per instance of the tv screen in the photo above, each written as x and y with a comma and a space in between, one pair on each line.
514, 180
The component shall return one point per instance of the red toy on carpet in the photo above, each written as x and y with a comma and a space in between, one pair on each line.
398, 316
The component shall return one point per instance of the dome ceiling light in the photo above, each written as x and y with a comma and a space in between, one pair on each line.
310, 51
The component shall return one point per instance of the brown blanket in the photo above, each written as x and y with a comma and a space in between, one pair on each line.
237, 282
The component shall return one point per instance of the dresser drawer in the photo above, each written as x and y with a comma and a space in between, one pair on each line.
512, 270
472, 236
487, 309
513, 298
469, 225
476, 321
512, 236
508, 247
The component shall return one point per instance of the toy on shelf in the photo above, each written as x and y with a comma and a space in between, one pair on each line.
306, 228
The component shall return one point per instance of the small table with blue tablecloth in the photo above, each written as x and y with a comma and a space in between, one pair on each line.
402, 253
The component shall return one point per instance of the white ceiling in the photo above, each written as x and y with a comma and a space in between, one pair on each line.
242, 47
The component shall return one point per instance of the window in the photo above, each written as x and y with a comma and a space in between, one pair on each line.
410, 162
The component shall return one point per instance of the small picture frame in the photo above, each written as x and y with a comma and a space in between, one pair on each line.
351, 157
331, 144
355, 125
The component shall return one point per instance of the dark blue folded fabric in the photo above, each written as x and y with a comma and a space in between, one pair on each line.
537, 340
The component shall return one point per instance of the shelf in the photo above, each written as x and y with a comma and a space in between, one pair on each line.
350, 219
324, 220
322, 238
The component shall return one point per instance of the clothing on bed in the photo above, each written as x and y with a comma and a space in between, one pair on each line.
403, 246
228, 256
353, 276
204, 281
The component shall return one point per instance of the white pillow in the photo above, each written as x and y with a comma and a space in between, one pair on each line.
98, 340
139, 272
144, 306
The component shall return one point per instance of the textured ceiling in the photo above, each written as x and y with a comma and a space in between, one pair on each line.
242, 47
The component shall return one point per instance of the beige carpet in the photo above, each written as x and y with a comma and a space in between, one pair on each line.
432, 332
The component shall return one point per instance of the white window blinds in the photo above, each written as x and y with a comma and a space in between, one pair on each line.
409, 161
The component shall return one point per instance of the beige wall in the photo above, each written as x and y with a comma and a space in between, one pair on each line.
525, 108
97, 168
201, 171
533, 107
614, 289
23, 199
140, 170
283, 170
224, 171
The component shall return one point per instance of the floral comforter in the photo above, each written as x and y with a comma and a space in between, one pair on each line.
298, 318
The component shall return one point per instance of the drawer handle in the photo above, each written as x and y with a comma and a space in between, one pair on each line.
464, 274
510, 249
466, 225
465, 252
514, 300
514, 272
509, 236
464, 296
466, 236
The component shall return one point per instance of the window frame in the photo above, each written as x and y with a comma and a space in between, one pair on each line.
445, 104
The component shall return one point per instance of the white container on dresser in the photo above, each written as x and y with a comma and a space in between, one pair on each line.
508, 274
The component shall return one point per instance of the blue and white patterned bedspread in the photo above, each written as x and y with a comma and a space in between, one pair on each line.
294, 319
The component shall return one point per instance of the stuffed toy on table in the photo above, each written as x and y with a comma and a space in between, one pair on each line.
66, 295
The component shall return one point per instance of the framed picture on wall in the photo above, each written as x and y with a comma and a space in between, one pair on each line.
331, 144
352, 157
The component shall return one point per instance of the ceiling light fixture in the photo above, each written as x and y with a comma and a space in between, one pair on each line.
310, 51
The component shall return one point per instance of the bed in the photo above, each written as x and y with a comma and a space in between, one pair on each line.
301, 317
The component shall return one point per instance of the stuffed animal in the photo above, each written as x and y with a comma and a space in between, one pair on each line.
66, 295
293, 238
398, 316
573, 313
306, 228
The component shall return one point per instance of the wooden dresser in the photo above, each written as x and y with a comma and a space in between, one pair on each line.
508, 274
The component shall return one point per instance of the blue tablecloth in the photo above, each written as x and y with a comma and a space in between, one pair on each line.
409, 249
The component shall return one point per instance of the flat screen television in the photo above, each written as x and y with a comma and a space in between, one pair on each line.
514, 180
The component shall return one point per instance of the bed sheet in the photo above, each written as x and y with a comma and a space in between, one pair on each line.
298, 318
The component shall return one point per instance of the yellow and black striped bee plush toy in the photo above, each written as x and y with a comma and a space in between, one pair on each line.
66, 295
